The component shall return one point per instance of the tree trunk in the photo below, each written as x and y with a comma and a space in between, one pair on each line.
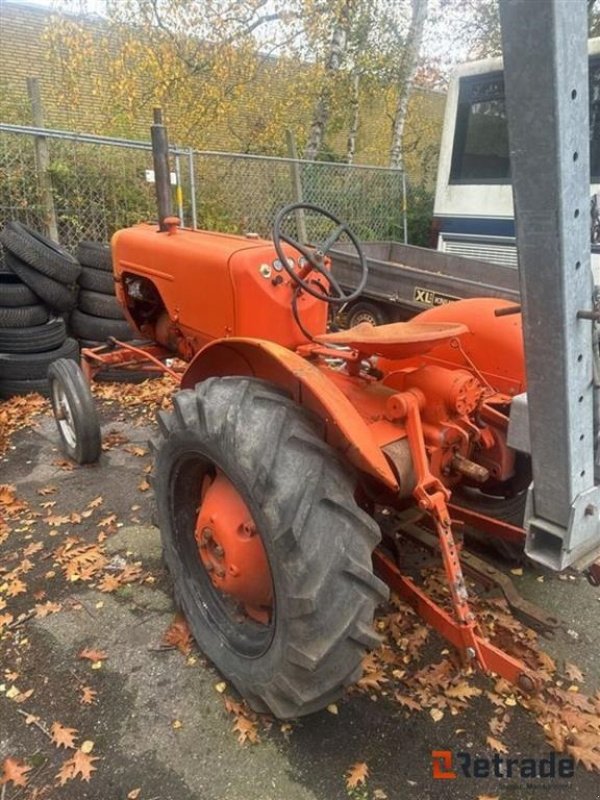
355, 119
335, 58
410, 58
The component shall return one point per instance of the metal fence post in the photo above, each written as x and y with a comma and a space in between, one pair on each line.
404, 208
296, 179
179, 191
42, 158
192, 187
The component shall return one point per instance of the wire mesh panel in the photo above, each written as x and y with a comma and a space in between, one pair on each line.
96, 185
95, 188
99, 189
243, 193
19, 185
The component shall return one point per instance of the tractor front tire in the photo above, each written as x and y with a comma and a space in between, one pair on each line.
317, 541
74, 411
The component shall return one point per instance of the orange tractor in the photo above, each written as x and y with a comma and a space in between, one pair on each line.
297, 461
287, 441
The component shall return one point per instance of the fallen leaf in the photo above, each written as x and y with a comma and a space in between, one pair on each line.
133, 794
332, 708
220, 687
517, 571
68, 466
93, 655
43, 609
13, 771
135, 450
246, 730
97, 501
357, 775
45, 490
463, 691
589, 758
573, 673
109, 583
176, 724
87, 746
5, 619
63, 737
80, 764
436, 714
496, 744
88, 695
408, 702
178, 635
83, 765
233, 706
16, 587
144, 486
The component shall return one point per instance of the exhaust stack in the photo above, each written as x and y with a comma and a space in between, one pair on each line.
162, 172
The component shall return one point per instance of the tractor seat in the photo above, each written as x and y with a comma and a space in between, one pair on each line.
397, 340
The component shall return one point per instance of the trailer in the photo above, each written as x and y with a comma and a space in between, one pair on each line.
404, 280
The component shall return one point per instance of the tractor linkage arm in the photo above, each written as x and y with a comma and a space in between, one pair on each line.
462, 629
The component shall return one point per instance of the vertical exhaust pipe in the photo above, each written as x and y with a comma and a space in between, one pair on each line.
162, 171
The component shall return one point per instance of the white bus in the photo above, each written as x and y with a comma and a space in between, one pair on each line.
473, 210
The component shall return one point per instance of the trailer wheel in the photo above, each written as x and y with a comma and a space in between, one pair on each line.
74, 411
508, 507
269, 553
366, 312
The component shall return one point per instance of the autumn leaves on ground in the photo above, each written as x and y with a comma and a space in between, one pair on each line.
50, 556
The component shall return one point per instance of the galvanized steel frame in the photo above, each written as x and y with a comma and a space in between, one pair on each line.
546, 86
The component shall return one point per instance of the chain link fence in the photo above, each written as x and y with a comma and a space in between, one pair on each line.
87, 187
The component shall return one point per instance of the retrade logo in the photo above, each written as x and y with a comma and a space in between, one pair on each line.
446, 765
441, 765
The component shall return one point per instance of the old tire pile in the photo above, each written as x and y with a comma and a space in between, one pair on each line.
98, 315
37, 284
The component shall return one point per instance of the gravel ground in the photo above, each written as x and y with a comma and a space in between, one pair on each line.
159, 725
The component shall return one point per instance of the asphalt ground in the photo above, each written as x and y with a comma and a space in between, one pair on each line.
159, 723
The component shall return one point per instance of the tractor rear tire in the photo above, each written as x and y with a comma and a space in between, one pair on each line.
75, 412
317, 540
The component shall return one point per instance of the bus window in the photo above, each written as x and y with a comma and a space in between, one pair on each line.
480, 152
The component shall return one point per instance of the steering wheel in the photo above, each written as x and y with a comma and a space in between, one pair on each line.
315, 256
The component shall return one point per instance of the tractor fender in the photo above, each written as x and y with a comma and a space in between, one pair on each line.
344, 428
493, 345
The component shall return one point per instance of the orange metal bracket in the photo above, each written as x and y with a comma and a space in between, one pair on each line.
432, 496
491, 659
125, 355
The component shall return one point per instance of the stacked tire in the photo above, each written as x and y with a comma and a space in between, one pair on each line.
37, 286
98, 315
